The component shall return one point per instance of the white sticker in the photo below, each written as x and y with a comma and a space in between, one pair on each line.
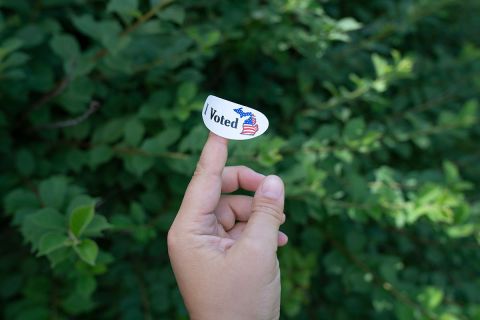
233, 121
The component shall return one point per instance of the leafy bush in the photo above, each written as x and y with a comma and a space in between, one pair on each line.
374, 119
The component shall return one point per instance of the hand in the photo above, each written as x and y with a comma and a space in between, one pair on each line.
223, 247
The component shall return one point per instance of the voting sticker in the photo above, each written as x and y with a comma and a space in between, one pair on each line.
233, 121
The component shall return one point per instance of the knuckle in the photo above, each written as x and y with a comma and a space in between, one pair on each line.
203, 170
172, 239
243, 168
271, 209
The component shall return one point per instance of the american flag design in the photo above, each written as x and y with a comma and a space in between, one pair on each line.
250, 126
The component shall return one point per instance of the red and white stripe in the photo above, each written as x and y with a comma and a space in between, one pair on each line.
250, 130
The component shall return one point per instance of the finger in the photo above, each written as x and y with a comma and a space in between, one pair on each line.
236, 232
203, 191
261, 231
282, 239
237, 177
232, 208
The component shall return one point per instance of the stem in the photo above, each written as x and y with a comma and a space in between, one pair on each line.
93, 107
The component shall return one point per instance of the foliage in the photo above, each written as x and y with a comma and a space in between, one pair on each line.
374, 119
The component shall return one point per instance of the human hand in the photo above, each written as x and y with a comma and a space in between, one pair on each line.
223, 247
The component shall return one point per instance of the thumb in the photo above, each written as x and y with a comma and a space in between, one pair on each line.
267, 215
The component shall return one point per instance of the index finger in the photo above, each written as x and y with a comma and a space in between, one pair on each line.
240, 177
203, 191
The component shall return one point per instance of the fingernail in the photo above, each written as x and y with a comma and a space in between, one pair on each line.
272, 187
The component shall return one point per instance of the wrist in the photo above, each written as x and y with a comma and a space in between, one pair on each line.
232, 315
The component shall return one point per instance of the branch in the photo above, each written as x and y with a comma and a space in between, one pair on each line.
62, 85
57, 90
145, 17
93, 107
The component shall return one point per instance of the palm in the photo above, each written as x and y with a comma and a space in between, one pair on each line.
225, 224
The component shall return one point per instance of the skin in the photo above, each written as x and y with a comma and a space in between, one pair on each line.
223, 248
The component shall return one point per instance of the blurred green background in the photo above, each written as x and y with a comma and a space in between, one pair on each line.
374, 127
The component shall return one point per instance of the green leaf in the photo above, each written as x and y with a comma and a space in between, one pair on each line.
86, 24
127, 7
138, 164
31, 35
78, 95
186, 92
109, 36
18, 199
99, 155
110, 132
137, 213
134, 131
81, 218
52, 241
78, 201
451, 172
348, 24
85, 285
9, 46
95, 228
75, 159
15, 59
205, 37
37, 224
25, 162
52, 192
34, 312
449, 316
49, 219
161, 141
461, 231
174, 13
107, 32
354, 129
65, 46
327, 132
190, 140
431, 297
381, 65
469, 113
155, 106
59, 255
87, 250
